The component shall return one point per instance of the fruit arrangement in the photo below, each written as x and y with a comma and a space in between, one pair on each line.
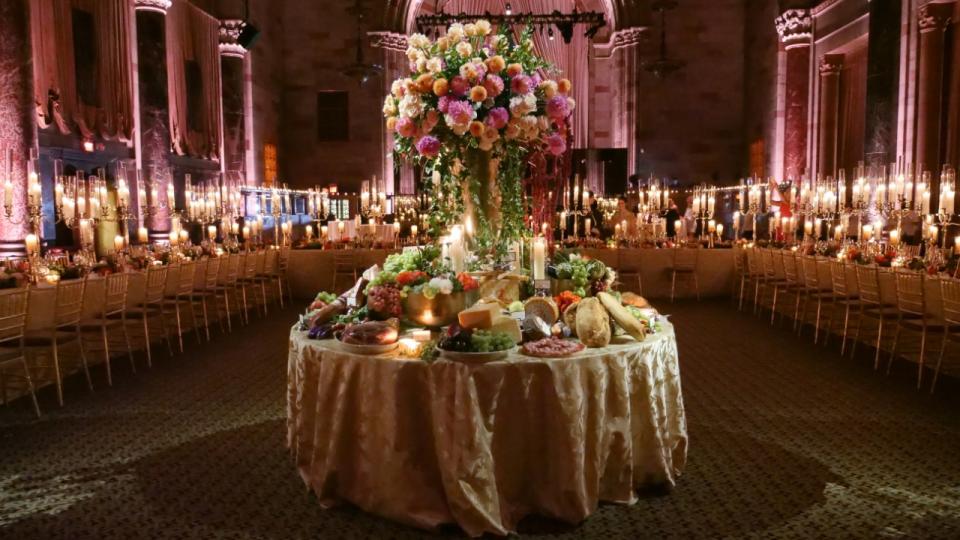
587, 276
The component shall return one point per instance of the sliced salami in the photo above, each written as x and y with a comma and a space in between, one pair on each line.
552, 347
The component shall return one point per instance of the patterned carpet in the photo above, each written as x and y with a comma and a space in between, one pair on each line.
787, 441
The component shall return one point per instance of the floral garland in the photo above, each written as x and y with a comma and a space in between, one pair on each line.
477, 99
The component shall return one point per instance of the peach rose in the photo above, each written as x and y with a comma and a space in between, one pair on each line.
496, 64
441, 87
424, 83
478, 94
391, 123
564, 86
476, 129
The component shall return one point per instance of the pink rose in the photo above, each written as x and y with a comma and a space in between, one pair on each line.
406, 127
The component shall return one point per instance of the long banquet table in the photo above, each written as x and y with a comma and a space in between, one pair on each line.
483, 446
312, 271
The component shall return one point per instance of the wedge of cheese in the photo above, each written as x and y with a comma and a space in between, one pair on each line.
479, 317
504, 323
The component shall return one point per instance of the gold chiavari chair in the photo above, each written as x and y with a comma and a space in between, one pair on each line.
773, 275
152, 306
113, 314
950, 295
181, 295
814, 289
14, 307
266, 268
844, 297
64, 329
685, 266
227, 288
204, 289
795, 284
912, 316
628, 270
248, 281
755, 276
740, 276
344, 266
283, 263
872, 306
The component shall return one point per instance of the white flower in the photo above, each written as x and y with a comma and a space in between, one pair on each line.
389, 106
435, 65
396, 88
442, 285
421, 65
483, 27
571, 103
419, 41
464, 49
497, 41
410, 106
455, 32
522, 105
414, 54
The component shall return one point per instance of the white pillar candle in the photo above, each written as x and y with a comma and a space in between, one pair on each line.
586, 227
677, 225
309, 232
838, 233
956, 245
184, 236
719, 230
413, 231
32, 244
212, 232
142, 235
8, 193
894, 238
323, 232
118, 243
539, 258
173, 238
867, 232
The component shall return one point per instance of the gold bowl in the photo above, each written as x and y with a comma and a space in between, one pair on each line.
441, 310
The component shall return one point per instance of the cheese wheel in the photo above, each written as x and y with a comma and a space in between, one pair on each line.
623, 318
543, 307
503, 323
593, 323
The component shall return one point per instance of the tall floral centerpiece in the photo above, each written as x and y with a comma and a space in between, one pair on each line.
475, 107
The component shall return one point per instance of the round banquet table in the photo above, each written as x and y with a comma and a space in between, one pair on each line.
483, 446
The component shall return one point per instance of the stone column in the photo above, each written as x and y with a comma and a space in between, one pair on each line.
883, 83
932, 19
17, 121
830, 66
233, 75
794, 27
154, 106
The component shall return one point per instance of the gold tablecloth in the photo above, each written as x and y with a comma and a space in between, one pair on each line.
484, 446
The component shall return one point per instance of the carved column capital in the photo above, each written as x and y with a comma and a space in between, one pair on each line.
795, 27
934, 16
230, 38
160, 6
831, 64
390, 41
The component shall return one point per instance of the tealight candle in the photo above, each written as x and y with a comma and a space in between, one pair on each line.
422, 336
409, 347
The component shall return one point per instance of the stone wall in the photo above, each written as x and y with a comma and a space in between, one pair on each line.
761, 46
691, 123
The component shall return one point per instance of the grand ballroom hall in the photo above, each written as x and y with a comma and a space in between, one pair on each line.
370, 269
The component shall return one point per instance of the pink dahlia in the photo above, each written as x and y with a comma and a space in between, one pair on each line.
461, 112
520, 84
443, 103
556, 145
494, 85
558, 108
498, 117
406, 127
459, 85
428, 146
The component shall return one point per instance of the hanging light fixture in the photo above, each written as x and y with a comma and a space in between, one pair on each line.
662, 66
360, 70
509, 9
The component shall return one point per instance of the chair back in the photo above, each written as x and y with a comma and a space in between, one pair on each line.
270, 262
156, 284
868, 283
910, 297
115, 293
628, 261
838, 278
68, 307
909, 251
811, 278
185, 278
766, 262
283, 260
212, 273
343, 263
250, 264
738, 256
233, 269
13, 314
950, 290
261, 262
685, 259
788, 260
